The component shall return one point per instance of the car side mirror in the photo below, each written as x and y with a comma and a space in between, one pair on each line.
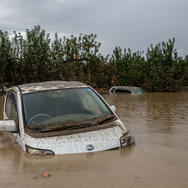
113, 108
7, 126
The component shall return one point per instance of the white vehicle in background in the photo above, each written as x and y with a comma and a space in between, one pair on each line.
126, 89
60, 117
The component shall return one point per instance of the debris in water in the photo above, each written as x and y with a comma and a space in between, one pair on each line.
45, 175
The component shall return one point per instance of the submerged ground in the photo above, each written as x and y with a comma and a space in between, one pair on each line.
159, 159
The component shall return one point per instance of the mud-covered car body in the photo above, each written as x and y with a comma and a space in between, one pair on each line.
60, 117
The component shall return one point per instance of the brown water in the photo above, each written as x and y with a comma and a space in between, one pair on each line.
159, 122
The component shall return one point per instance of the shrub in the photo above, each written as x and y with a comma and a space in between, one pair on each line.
35, 58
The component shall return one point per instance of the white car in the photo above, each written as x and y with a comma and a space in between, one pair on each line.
60, 117
126, 89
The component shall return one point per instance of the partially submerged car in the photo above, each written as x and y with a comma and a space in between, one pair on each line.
126, 89
60, 117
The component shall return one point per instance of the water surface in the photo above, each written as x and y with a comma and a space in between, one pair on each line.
159, 122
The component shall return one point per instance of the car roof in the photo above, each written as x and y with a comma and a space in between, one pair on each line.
49, 85
126, 87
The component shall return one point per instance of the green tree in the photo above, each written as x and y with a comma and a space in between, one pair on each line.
34, 58
128, 67
161, 67
5, 57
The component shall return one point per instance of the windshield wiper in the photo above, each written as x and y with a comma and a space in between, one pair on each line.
70, 125
105, 118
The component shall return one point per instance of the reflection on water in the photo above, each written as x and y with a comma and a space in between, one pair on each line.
155, 107
157, 120
163, 113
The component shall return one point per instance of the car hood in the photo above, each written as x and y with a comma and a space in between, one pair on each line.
99, 140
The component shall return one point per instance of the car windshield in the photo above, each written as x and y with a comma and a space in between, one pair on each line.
138, 90
64, 109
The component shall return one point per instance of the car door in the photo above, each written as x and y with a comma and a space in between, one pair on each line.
11, 111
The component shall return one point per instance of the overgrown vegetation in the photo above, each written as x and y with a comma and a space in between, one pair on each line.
35, 58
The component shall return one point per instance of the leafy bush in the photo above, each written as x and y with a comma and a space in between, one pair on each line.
163, 68
35, 58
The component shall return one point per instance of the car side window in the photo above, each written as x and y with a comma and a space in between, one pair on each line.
11, 107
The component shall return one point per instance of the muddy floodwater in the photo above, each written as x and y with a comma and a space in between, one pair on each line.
159, 123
